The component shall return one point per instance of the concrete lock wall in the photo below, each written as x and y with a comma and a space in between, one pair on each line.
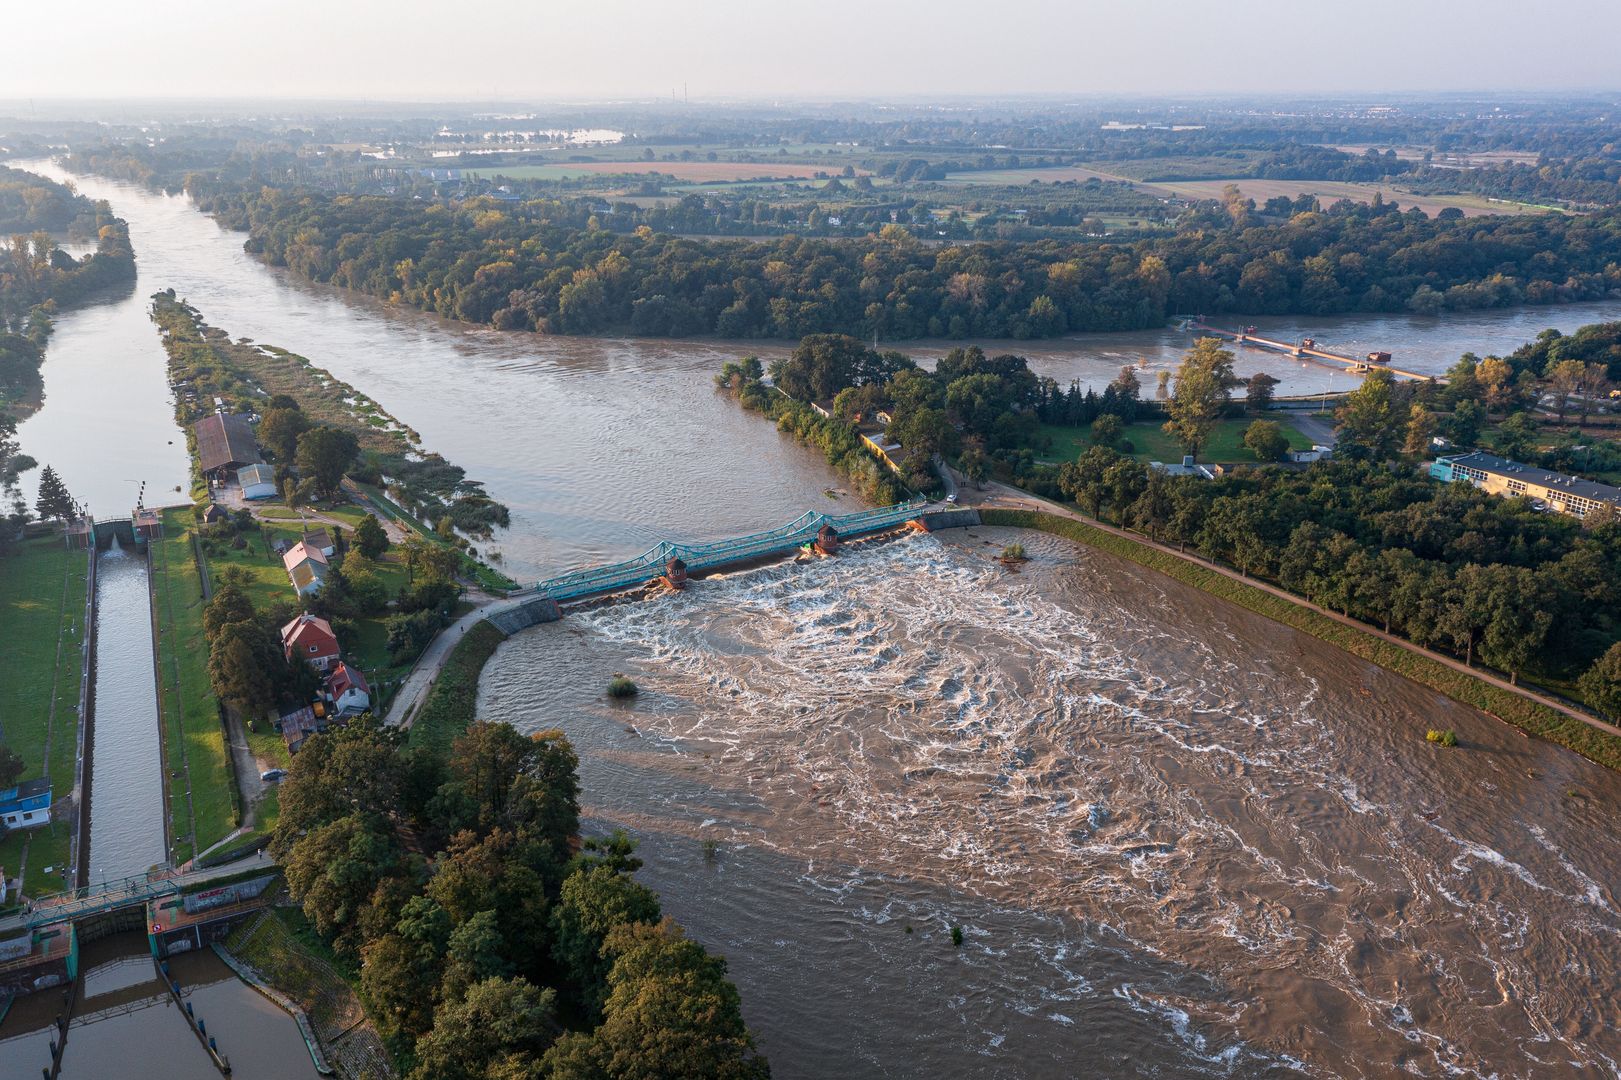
226, 894
950, 519
542, 609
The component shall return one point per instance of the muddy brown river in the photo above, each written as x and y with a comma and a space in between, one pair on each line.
1179, 839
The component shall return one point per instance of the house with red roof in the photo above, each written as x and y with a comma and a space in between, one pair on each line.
348, 691
310, 638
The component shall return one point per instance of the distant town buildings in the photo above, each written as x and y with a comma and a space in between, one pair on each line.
1548, 490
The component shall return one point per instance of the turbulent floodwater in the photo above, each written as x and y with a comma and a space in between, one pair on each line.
126, 781
1181, 840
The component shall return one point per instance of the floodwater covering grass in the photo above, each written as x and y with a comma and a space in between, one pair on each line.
451, 702
1523, 713
1150, 443
42, 604
195, 755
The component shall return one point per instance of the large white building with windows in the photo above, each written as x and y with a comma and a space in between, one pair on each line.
1549, 490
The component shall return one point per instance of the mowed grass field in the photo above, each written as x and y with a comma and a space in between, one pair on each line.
1150, 443
691, 171
42, 599
195, 754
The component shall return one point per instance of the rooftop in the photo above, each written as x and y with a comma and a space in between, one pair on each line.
1531, 474
256, 474
224, 440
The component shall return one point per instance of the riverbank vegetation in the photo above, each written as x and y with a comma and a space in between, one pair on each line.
43, 585
293, 399
38, 278
836, 437
511, 949
204, 801
450, 705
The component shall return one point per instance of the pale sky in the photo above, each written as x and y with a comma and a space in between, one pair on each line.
476, 50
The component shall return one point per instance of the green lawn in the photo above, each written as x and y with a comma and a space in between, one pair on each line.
1150, 443
42, 599
194, 738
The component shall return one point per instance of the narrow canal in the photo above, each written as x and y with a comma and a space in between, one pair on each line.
126, 774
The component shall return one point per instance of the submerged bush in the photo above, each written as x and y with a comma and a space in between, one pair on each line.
621, 687
1445, 738
1014, 552
956, 936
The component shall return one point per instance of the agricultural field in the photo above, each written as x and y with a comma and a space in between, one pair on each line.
1150, 443
1051, 175
1329, 191
42, 602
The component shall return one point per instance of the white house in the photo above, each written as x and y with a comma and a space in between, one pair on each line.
27, 805
307, 568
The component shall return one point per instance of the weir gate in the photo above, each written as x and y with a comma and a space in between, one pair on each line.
39, 945
707, 556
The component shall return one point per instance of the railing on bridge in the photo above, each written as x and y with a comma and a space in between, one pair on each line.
651, 563
94, 899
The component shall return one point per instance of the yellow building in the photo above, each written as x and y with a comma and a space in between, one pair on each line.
1549, 490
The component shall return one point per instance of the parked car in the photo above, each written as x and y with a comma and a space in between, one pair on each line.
273, 776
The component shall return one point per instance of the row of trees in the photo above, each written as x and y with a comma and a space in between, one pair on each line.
506, 952
1445, 566
530, 266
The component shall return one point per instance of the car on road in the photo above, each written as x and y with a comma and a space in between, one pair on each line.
951, 498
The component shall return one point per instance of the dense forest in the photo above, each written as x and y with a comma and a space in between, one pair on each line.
490, 942
552, 267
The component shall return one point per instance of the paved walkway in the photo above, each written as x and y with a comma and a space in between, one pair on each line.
417, 684
1001, 495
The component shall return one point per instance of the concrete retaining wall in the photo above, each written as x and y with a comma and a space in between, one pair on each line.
542, 609
949, 519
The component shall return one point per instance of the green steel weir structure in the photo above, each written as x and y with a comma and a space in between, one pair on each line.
650, 564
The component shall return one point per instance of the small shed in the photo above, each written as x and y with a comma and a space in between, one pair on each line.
827, 540
296, 726
320, 540
214, 512
258, 481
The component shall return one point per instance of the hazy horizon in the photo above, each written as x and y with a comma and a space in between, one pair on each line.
632, 50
